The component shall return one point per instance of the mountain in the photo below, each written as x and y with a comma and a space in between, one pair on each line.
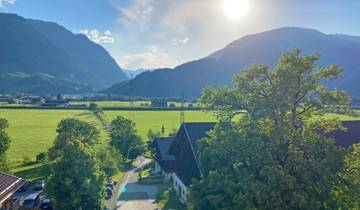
218, 68
133, 73
43, 57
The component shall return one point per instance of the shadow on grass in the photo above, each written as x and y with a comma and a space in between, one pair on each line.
167, 199
34, 172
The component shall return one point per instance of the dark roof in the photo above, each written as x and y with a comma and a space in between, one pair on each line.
197, 131
9, 185
162, 145
185, 149
348, 137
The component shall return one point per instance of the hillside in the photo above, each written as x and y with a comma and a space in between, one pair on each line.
267, 47
42, 57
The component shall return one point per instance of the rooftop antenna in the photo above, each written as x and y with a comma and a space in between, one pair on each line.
182, 112
162, 131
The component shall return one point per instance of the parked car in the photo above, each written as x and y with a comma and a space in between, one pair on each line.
45, 204
109, 192
24, 187
31, 200
40, 185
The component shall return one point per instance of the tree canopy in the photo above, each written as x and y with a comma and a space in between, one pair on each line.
275, 156
76, 180
124, 137
4, 142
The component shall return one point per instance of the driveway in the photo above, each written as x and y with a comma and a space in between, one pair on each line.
130, 195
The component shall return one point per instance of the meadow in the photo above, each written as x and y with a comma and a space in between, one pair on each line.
33, 131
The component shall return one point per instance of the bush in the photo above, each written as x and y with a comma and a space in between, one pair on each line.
41, 157
27, 161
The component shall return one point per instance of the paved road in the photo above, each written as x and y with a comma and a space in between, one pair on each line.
136, 196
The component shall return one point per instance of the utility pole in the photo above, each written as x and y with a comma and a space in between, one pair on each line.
182, 111
131, 111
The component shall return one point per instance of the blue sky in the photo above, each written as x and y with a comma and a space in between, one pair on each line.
166, 33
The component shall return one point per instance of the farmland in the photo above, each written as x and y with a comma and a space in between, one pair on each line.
34, 131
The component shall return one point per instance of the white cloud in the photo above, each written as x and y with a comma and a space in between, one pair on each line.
184, 41
148, 10
152, 57
6, 2
98, 37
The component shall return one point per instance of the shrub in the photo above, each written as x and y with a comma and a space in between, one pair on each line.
41, 157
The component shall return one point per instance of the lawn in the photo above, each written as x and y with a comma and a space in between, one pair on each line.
34, 131
154, 120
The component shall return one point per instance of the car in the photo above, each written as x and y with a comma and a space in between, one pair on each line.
109, 192
40, 185
110, 186
24, 187
31, 200
45, 204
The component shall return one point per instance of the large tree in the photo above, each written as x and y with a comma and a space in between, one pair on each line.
124, 137
276, 156
4, 143
73, 129
76, 181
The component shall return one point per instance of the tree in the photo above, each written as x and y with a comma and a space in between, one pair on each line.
276, 156
76, 181
70, 129
109, 161
124, 137
4, 143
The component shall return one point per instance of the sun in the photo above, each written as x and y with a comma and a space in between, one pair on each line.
236, 9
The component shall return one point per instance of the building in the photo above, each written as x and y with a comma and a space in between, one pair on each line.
8, 186
163, 161
176, 158
158, 103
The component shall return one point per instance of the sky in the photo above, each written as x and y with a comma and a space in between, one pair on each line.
165, 33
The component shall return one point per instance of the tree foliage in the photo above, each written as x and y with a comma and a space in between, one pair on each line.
76, 180
276, 156
73, 129
124, 137
4, 143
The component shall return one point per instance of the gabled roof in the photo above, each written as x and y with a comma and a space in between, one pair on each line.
161, 146
9, 185
348, 137
197, 131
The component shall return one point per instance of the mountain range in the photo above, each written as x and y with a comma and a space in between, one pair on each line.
218, 68
44, 57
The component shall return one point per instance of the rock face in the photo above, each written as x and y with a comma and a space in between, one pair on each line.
218, 68
44, 57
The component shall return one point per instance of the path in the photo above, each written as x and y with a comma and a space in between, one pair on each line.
136, 196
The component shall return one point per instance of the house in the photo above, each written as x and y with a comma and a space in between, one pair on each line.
159, 103
163, 161
8, 186
177, 157
180, 164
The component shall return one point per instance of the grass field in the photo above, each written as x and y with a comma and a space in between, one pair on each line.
154, 120
33, 131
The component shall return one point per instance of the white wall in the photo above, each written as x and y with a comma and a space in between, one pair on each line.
180, 188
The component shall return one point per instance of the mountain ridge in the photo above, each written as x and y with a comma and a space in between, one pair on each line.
218, 68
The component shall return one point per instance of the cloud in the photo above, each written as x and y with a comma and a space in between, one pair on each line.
152, 57
6, 2
148, 10
177, 41
98, 37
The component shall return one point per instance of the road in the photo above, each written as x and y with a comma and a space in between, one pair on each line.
130, 195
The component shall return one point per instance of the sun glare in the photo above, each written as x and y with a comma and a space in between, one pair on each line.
236, 9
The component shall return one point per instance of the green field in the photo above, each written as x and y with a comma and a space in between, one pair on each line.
33, 131
154, 120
